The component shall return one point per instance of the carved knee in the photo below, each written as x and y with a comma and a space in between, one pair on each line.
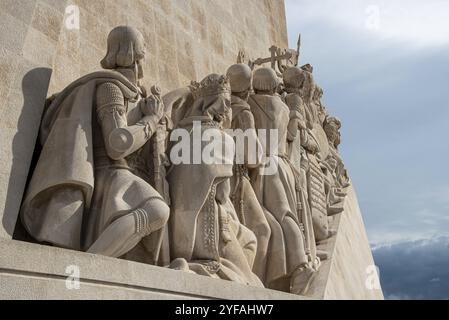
161, 212
152, 216
264, 230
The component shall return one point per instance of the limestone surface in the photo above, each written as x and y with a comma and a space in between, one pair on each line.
219, 170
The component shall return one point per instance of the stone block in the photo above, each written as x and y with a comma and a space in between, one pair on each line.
115, 15
59, 5
198, 12
165, 5
186, 66
168, 76
215, 34
166, 52
95, 7
24, 12
19, 134
12, 33
165, 29
182, 21
7, 70
150, 67
47, 20
30, 271
184, 5
344, 275
39, 48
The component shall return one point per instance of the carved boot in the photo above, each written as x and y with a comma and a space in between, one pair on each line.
322, 254
301, 280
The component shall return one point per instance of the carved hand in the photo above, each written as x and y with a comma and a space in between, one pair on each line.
153, 106
302, 124
312, 148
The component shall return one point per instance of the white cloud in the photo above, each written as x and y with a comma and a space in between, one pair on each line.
415, 22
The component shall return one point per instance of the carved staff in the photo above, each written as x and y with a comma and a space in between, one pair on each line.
161, 255
298, 50
159, 156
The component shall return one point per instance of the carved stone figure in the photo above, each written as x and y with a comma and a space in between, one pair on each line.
104, 182
332, 127
303, 145
299, 81
327, 159
90, 189
292, 242
335, 169
318, 106
301, 141
248, 208
206, 236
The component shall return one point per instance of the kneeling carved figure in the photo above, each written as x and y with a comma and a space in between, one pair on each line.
90, 189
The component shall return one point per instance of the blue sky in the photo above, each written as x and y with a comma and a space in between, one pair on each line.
384, 66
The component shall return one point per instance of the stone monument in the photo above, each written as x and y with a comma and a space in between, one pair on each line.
231, 187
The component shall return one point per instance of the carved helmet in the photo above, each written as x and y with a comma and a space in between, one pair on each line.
265, 79
126, 46
240, 77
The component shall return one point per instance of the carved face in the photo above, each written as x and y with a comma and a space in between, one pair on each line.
308, 87
318, 93
331, 133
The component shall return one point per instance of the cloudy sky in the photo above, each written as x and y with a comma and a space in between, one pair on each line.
384, 66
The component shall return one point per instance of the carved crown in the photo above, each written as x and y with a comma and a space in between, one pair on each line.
213, 84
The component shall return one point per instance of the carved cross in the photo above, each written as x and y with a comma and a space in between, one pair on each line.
274, 57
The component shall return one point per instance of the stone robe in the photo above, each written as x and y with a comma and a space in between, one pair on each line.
62, 185
245, 201
76, 190
279, 195
206, 236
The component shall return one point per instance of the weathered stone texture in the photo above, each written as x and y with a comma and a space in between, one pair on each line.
107, 278
352, 262
348, 274
29, 33
186, 39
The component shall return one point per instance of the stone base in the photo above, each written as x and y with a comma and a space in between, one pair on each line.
348, 271
30, 271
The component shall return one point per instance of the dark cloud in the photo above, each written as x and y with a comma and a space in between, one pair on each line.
415, 269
